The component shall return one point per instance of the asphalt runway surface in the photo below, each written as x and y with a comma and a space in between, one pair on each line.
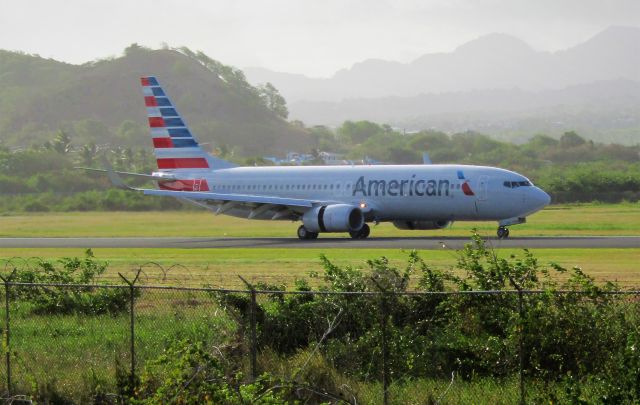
588, 242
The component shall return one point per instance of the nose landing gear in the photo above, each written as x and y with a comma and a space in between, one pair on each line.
503, 232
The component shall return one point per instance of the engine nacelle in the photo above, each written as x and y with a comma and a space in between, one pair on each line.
421, 225
333, 218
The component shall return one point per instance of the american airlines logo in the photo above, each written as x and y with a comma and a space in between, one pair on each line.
401, 188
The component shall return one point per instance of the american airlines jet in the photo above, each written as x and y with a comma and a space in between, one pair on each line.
330, 198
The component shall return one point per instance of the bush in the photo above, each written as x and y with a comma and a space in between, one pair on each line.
189, 373
577, 332
74, 295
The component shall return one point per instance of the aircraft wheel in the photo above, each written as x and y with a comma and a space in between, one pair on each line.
503, 232
363, 233
305, 234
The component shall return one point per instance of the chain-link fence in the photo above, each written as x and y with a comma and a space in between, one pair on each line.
106, 343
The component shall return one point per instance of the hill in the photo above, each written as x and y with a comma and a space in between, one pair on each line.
494, 61
495, 84
606, 111
101, 101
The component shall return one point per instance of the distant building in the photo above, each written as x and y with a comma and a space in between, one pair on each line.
328, 158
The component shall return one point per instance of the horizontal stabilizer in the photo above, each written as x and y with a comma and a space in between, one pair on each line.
136, 175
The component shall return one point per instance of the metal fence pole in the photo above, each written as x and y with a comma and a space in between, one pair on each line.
383, 324
385, 360
7, 331
252, 322
521, 343
518, 285
132, 327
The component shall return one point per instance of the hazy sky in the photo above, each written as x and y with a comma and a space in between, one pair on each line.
315, 38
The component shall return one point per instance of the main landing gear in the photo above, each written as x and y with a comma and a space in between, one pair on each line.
305, 234
503, 232
363, 233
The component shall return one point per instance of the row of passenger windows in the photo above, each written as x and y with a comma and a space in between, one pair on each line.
280, 187
516, 184
249, 187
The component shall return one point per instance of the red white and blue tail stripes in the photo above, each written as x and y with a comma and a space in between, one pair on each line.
175, 147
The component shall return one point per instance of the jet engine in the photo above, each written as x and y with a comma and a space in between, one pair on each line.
333, 218
422, 225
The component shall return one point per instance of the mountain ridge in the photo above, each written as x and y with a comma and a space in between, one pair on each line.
492, 61
102, 101
607, 111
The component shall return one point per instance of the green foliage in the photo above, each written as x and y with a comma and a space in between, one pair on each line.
273, 100
190, 373
72, 297
571, 168
574, 327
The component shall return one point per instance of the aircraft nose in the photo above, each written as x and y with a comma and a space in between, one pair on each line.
540, 198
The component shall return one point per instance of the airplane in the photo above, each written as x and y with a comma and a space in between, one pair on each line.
329, 199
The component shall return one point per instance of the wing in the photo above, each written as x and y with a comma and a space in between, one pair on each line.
282, 208
258, 204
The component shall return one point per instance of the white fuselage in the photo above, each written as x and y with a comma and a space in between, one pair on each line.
389, 192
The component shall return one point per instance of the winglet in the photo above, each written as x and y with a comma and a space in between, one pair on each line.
113, 176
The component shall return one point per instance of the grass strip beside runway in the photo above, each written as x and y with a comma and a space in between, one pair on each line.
557, 220
221, 267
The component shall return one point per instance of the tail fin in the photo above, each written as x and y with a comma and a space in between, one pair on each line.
174, 145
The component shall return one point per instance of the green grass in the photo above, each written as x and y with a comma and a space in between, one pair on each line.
588, 219
85, 350
221, 267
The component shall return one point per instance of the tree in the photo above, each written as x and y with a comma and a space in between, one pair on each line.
88, 154
571, 139
358, 132
272, 99
61, 143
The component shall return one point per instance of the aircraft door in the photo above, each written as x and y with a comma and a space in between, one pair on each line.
196, 184
483, 183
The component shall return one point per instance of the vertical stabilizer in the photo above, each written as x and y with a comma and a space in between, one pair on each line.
175, 147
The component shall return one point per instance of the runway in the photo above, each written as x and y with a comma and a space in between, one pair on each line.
587, 242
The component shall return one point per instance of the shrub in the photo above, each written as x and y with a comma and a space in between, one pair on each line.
575, 332
189, 373
73, 295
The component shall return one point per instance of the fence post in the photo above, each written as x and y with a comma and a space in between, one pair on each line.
521, 343
385, 360
252, 321
132, 326
383, 324
7, 332
518, 286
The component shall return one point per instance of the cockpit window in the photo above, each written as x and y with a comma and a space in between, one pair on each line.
516, 184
